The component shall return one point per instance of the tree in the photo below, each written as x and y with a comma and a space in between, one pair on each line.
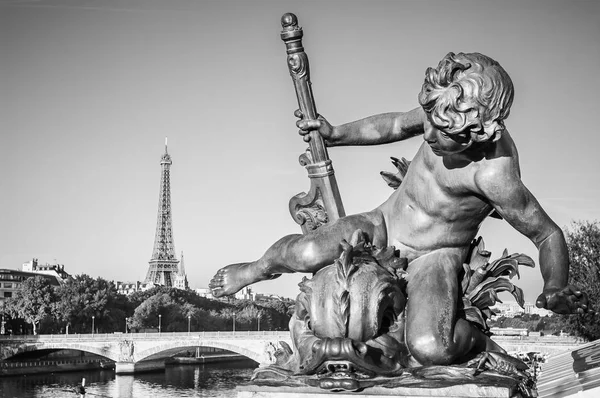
33, 302
178, 295
82, 297
228, 313
583, 241
146, 315
278, 313
208, 320
249, 315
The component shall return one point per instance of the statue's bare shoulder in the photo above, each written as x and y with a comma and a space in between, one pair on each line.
497, 175
498, 179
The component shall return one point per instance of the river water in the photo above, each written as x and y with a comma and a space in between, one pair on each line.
210, 380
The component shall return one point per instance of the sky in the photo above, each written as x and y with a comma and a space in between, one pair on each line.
89, 90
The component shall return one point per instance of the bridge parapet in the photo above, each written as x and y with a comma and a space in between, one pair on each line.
267, 334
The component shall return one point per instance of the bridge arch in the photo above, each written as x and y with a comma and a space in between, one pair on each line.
103, 351
176, 346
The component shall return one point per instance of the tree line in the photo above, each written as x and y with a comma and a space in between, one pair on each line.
83, 303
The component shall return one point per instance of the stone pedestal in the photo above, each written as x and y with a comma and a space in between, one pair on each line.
463, 391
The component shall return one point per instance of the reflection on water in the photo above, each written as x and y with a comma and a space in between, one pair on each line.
210, 380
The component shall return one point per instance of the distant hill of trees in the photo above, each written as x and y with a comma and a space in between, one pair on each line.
42, 308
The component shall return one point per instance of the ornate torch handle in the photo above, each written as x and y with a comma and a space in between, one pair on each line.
323, 202
297, 61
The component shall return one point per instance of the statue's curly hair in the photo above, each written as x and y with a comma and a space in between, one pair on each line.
468, 92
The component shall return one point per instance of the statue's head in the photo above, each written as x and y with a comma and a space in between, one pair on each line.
467, 93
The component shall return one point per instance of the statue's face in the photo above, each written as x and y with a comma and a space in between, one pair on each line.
442, 143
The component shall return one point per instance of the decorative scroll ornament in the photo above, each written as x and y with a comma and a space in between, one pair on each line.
298, 64
308, 210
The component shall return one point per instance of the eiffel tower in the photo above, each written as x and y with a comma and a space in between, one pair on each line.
163, 269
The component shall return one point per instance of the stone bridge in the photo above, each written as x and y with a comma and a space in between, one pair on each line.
133, 352
139, 351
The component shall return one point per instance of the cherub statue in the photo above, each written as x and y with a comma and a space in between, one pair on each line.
466, 168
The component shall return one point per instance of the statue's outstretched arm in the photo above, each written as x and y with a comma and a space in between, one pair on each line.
379, 129
373, 130
506, 192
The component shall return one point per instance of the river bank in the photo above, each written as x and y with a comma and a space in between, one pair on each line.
218, 380
30, 367
53, 366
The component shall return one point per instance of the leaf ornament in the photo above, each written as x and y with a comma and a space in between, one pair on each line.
394, 180
479, 256
473, 314
345, 269
481, 298
509, 265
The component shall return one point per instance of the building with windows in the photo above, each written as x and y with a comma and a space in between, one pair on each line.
245, 294
204, 292
11, 281
56, 270
511, 308
128, 288
530, 308
180, 279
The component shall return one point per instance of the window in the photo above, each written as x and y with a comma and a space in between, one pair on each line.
8, 285
7, 294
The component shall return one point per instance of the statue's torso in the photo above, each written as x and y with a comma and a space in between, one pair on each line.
435, 207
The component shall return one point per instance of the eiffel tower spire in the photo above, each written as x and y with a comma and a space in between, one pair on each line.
164, 264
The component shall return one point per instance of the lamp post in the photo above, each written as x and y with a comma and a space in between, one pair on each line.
159, 322
93, 317
126, 320
189, 323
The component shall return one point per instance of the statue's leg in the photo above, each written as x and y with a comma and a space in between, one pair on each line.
434, 333
300, 253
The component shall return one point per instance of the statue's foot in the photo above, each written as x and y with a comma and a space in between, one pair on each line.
232, 278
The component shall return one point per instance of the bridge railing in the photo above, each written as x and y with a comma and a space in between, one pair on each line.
540, 339
245, 335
